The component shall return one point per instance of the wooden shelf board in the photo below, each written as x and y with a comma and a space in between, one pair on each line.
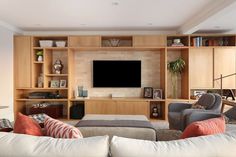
177, 99
116, 48
37, 62
177, 48
56, 75
55, 100
41, 88
120, 99
51, 48
222, 47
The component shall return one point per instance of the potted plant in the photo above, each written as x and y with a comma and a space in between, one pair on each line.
39, 55
175, 68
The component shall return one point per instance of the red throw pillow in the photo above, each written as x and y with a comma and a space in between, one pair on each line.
58, 129
26, 125
205, 127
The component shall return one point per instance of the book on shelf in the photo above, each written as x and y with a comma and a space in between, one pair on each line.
197, 41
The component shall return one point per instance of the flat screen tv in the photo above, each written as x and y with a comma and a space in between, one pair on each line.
117, 73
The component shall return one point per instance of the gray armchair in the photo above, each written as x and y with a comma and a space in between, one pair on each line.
181, 114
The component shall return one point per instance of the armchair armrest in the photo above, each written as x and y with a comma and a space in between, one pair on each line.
199, 116
178, 107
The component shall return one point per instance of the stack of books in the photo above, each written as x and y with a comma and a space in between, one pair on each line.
197, 41
177, 44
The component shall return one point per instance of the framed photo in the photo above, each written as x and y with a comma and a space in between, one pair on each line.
157, 93
62, 83
148, 92
55, 84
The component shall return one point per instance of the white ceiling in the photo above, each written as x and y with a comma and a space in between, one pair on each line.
186, 16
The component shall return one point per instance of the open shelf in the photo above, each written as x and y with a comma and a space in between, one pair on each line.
56, 75
42, 100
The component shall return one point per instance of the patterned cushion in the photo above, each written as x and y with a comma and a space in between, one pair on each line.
26, 125
39, 118
58, 129
205, 127
198, 106
5, 125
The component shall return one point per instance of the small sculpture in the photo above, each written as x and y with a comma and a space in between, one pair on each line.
58, 66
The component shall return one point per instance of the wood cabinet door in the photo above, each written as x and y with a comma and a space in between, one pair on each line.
149, 40
100, 107
225, 63
22, 61
133, 108
201, 67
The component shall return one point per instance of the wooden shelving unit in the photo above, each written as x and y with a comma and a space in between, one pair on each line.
27, 69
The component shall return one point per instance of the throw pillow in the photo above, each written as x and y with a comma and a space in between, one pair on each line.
197, 106
39, 118
205, 127
58, 129
5, 125
26, 125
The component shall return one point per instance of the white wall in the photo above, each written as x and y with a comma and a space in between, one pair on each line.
6, 72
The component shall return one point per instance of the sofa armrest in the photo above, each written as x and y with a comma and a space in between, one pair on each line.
199, 116
178, 107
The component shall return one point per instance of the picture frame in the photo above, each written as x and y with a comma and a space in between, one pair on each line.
157, 93
148, 92
54, 83
63, 83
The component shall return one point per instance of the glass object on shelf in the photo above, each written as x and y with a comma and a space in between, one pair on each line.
40, 81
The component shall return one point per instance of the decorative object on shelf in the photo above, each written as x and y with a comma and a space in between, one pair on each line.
85, 93
60, 43
225, 42
58, 66
175, 68
62, 83
45, 43
55, 84
40, 81
39, 55
148, 92
155, 112
157, 94
177, 42
114, 42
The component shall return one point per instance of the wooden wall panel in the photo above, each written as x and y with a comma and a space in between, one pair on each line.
22, 61
149, 40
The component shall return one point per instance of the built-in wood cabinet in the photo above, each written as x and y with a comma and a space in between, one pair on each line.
206, 57
225, 64
201, 68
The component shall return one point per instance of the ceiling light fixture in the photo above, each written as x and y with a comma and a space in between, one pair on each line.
149, 24
115, 3
217, 27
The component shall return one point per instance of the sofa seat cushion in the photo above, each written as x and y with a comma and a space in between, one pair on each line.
205, 127
221, 145
19, 145
174, 119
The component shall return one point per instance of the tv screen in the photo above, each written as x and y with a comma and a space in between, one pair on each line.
111, 73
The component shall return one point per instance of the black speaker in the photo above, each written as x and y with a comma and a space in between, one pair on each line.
77, 110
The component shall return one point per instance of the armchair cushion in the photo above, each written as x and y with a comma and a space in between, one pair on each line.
206, 127
207, 100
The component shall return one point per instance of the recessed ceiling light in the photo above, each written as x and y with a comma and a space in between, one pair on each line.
38, 25
149, 24
115, 3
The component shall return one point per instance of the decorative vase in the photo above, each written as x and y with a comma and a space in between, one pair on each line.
40, 58
58, 66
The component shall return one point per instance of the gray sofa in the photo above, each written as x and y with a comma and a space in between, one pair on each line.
181, 114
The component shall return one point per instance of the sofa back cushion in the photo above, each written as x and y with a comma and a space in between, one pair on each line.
26, 125
205, 127
58, 129
18, 145
222, 145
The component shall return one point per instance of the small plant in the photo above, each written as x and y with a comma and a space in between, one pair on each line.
39, 53
175, 68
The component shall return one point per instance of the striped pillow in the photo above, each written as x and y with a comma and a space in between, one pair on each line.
58, 129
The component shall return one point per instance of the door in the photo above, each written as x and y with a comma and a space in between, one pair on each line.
201, 68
